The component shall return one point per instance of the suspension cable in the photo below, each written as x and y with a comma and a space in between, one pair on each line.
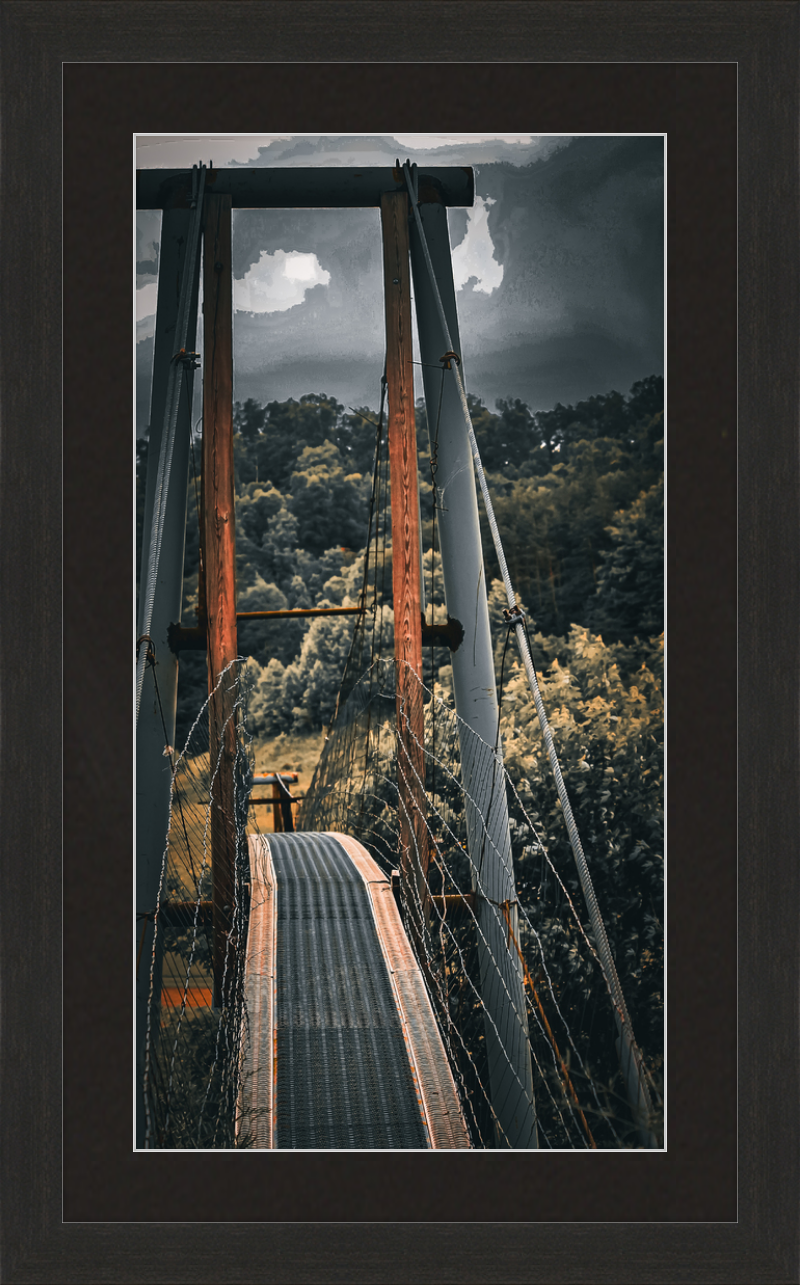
515, 617
175, 376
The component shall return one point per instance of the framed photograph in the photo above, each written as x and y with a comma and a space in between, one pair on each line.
719, 84
357, 612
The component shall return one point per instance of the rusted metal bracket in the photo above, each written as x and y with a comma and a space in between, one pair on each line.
450, 635
182, 638
273, 803
455, 907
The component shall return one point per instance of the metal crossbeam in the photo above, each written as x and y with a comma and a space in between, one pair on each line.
306, 188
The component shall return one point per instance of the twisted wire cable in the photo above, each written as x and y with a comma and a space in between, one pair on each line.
169, 430
621, 1013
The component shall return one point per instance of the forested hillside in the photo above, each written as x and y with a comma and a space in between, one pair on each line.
579, 499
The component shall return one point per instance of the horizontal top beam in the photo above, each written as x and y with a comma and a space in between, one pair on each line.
302, 189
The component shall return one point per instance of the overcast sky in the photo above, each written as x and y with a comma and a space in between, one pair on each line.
559, 266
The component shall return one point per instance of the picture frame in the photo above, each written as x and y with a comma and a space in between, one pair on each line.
720, 1204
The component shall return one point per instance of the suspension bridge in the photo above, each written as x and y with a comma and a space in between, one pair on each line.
367, 974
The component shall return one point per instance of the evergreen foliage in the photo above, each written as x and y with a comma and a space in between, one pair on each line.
629, 599
578, 493
605, 707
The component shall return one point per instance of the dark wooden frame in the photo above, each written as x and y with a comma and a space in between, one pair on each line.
58, 1224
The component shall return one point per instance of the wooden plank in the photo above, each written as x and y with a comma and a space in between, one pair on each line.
255, 1107
277, 815
405, 543
219, 560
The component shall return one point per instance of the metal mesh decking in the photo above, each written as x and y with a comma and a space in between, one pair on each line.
341, 1048
343, 1073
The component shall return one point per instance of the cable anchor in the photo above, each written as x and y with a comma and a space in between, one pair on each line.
150, 655
448, 358
514, 616
189, 360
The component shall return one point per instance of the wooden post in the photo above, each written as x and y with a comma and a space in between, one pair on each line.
277, 815
405, 550
220, 564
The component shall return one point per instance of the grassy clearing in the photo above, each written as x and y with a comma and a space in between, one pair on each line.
290, 752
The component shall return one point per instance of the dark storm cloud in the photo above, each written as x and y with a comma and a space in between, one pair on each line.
457, 222
336, 328
148, 232
341, 239
580, 307
578, 231
579, 235
382, 149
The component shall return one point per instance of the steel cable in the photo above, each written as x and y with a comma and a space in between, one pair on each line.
621, 1014
169, 431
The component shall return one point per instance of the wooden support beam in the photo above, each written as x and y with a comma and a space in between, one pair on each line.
290, 613
456, 908
220, 565
405, 548
274, 803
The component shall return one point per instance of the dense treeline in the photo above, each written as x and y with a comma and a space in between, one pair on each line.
579, 500
573, 557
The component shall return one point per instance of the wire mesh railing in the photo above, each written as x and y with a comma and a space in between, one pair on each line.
366, 785
359, 788
196, 1024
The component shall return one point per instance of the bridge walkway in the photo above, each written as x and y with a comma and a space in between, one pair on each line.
341, 1047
